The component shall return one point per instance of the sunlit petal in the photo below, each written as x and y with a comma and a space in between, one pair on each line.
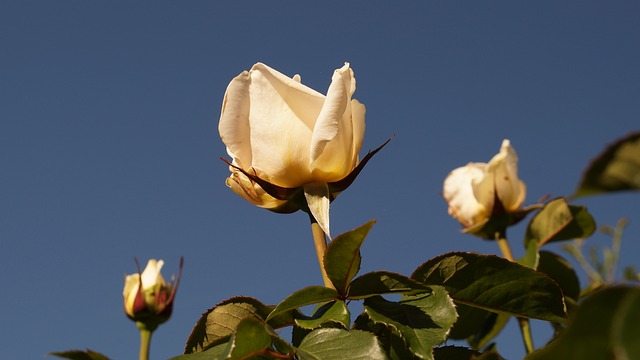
459, 192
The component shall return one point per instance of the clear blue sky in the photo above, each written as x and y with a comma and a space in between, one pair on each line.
109, 146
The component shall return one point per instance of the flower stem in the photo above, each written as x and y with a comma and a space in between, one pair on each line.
526, 334
145, 340
575, 249
320, 243
525, 328
505, 248
616, 243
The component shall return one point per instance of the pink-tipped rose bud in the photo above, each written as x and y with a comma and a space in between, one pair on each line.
148, 299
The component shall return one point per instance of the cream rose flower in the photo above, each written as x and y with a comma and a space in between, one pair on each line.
284, 136
478, 190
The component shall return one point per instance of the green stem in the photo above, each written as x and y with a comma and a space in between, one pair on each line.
505, 248
616, 243
525, 328
575, 249
320, 242
145, 341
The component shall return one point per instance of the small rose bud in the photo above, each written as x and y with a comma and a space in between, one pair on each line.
148, 299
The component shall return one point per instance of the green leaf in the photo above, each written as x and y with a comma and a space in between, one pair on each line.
490, 353
338, 344
252, 339
494, 284
616, 169
471, 321
422, 321
342, 258
219, 322
489, 356
531, 256
382, 282
80, 355
491, 329
332, 312
559, 221
561, 271
298, 334
389, 339
605, 326
216, 352
478, 326
454, 353
251, 336
396, 348
629, 273
462, 353
307, 296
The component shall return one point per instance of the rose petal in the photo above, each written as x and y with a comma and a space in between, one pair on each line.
151, 274
287, 134
234, 120
252, 192
131, 285
336, 142
358, 111
335, 104
510, 189
282, 116
459, 192
484, 189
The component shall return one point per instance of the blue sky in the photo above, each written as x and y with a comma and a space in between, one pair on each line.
109, 145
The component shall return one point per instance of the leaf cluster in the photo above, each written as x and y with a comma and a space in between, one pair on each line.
406, 328
458, 295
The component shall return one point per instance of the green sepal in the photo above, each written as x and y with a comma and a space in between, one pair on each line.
496, 225
317, 197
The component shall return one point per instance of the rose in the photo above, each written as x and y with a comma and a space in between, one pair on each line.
148, 299
284, 137
478, 191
